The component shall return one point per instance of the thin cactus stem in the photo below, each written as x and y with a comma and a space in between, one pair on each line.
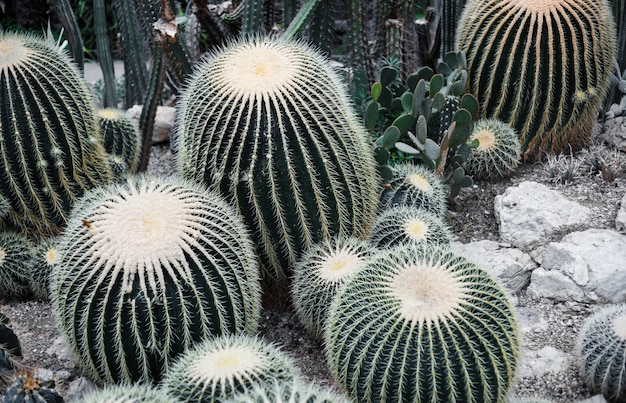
357, 37
252, 17
322, 25
104, 54
450, 14
64, 10
296, 26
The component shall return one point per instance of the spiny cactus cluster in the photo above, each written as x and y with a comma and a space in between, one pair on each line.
27, 388
287, 392
148, 267
267, 122
44, 256
15, 258
122, 140
498, 152
136, 393
541, 66
224, 366
50, 151
601, 352
422, 324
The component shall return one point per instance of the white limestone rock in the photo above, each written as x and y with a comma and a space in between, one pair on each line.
620, 220
536, 363
163, 122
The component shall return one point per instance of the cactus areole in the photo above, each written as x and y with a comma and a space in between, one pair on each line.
268, 123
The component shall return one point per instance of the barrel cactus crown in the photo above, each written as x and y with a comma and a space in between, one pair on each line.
122, 140
148, 267
422, 324
15, 258
407, 224
498, 153
220, 368
417, 186
137, 393
601, 352
267, 121
288, 392
542, 66
49, 149
319, 274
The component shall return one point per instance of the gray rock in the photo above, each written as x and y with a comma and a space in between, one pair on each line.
163, 121
61, 349
530, 213
531, 321
77, 388
620, 220
510, 265
585, 266
536, 363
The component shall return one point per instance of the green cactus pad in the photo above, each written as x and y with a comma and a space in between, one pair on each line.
45, 256
422, 324
267, 122
137, 393
288, 392
498, 153
319, 274
417, 186
50, 151
148, 267
541, 66
406, 224
122, 140
224, 366
601, 352
15, 257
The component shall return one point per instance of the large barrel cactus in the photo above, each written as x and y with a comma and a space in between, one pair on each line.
267, 122
422, 324
148, 267
542, 66
49, 144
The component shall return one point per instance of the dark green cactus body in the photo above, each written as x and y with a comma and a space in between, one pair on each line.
498, 153
422, 324
15, 257
268, 123
45, 256
49, 147
541, 66
148, 267
121, 137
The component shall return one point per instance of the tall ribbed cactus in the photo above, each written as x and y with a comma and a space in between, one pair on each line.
542, 66
601, 352
121, 138
267, 122
148, 267
422, 324
49, 147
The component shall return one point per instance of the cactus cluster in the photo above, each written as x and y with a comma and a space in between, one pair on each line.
220, 368
148, 267
541, 66
27, 388
15, 258
122, 140
267, 122
498, 152
601, 352
50, 150
422, 324
287, 392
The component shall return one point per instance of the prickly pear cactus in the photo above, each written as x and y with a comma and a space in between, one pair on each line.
50, 151
541, 66
601, 352
137, 393
422, 324
267, 122
122, 140
15, 257
407, 224
224, 366
148, 267
498, 153
287, 392
319, 274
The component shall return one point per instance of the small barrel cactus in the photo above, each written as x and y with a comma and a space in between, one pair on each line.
27, 388
219, 368
10, 347
417, 186
50, 151
318, 275
287, 392
541, 66
406, 224
498, 153
122, 140
422, 324
267, 122
148, 267
45, 255
601, 352
137, 393
15, 257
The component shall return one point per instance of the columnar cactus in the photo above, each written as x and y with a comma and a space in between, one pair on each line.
45, 255
407, 224
601, 352
422, 324
49, 149
224, 366
148, 267
417, 186
15, 257
319, 274
498, 153
137, 393
542, 66
268, 123
122, 138
287, 392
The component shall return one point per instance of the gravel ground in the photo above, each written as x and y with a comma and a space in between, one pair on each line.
471, 218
